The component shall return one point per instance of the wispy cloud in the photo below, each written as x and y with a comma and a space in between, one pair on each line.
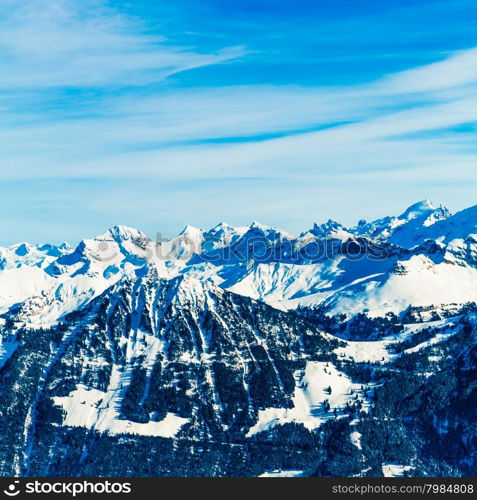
60, 43
170, 133
458, 70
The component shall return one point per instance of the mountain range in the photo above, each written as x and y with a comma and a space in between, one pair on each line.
244, 351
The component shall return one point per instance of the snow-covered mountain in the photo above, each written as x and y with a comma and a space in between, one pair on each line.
239, 351
404, 230
424, 257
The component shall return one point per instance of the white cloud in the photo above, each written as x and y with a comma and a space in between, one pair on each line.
457, 70
60, 43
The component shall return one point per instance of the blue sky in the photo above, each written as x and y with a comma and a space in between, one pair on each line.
156, 116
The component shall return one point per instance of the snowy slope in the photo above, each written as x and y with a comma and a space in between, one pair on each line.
423, 257
404, 229
318, 383
417, 282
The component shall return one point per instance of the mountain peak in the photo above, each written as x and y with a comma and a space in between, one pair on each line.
191, 232
417, 209
269, 231
222, 226
325, 228
258, 225
123, 233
